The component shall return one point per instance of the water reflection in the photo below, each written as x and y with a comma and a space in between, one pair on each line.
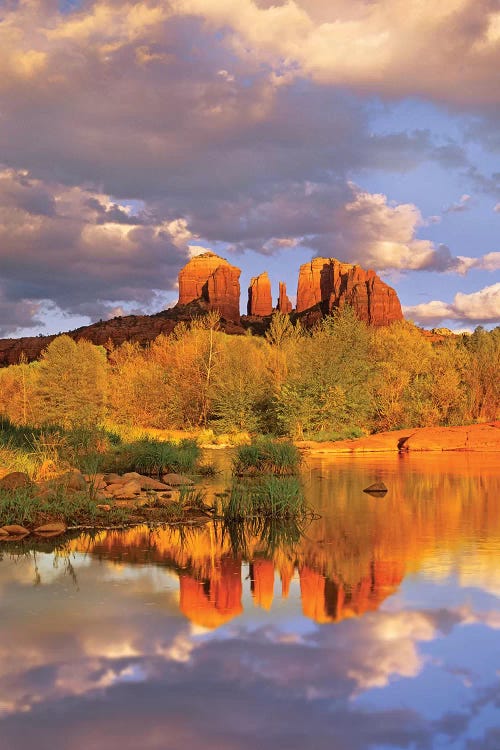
379, 628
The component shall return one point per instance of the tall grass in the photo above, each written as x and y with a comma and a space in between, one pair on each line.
21, 507
272, 497
265, 456
155, 457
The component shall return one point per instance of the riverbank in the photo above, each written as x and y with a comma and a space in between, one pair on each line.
477, 437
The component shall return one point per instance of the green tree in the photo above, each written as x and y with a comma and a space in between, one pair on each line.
72, 383
330, 389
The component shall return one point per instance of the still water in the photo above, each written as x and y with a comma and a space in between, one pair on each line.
379, 629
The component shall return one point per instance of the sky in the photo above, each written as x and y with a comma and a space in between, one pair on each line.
134, 135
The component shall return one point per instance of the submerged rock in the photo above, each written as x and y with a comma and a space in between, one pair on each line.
377, 488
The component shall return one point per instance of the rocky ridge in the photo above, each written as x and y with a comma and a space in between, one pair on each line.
208, 282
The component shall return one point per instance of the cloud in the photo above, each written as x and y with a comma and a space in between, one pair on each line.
459, 206
81, 252
478, 307
394, 47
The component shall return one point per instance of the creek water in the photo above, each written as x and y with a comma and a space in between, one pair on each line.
378, 629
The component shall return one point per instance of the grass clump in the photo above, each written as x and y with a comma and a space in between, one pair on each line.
273, 497
190, 500
154, 457
265, 456
22, 507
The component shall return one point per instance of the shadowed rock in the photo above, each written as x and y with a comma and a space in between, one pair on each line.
284, 304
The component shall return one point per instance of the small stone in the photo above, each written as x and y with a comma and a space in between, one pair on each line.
14, 481
177, 480
132, 487
114, 489
74, 480
147, 483
104, 506
132, 475
51, 528
377, 488
113, 478
15, 530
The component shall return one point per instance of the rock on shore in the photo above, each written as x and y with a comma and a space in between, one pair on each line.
476, 437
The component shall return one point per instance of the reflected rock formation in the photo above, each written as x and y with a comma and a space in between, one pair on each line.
348, 562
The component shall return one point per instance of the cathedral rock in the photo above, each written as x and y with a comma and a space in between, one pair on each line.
327, 284
214, 283
209, 282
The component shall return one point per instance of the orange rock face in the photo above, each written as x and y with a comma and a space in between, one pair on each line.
329, 284
284, 304
214, 282
211, 603
260, 301
475, 437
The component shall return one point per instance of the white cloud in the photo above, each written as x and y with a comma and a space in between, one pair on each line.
482, 306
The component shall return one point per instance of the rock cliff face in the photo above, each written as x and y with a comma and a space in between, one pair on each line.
213, 282
260, 301
328, 284
284, 304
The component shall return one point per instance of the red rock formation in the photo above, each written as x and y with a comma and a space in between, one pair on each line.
327, 283
211, 603
260, 301
262, 582
208, 282
325, 600
284, 304
214, 282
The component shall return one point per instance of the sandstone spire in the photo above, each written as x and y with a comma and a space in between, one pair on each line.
284, 304
260, 300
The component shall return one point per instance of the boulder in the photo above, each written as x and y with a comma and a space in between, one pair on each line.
74, 480
14, 481
260, 301
177, 480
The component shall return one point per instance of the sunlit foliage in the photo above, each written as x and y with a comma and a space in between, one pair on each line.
339, 379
